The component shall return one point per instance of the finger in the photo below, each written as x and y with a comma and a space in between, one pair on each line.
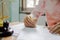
57, 31
53, 30
31, 20
31, 25
27, 23
35, 20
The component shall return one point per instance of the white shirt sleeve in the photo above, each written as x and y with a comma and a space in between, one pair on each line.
38, 10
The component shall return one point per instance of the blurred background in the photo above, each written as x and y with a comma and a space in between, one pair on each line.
18, 9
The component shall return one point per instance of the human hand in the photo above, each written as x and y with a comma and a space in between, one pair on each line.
30, 22
55, 29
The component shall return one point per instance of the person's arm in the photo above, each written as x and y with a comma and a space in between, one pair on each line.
39, 9
30, 20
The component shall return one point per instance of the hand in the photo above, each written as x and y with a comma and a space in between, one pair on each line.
55, 29
30, 22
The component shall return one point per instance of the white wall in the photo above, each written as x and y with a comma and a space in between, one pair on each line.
15, 10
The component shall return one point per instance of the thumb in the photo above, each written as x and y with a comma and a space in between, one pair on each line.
35, 19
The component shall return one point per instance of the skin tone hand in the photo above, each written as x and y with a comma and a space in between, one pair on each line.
30, 22
55, 29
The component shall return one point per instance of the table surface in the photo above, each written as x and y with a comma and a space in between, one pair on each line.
38, 33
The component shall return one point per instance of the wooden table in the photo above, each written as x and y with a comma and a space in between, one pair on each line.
11, 37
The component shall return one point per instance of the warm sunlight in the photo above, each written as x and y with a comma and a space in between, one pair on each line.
31, 3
